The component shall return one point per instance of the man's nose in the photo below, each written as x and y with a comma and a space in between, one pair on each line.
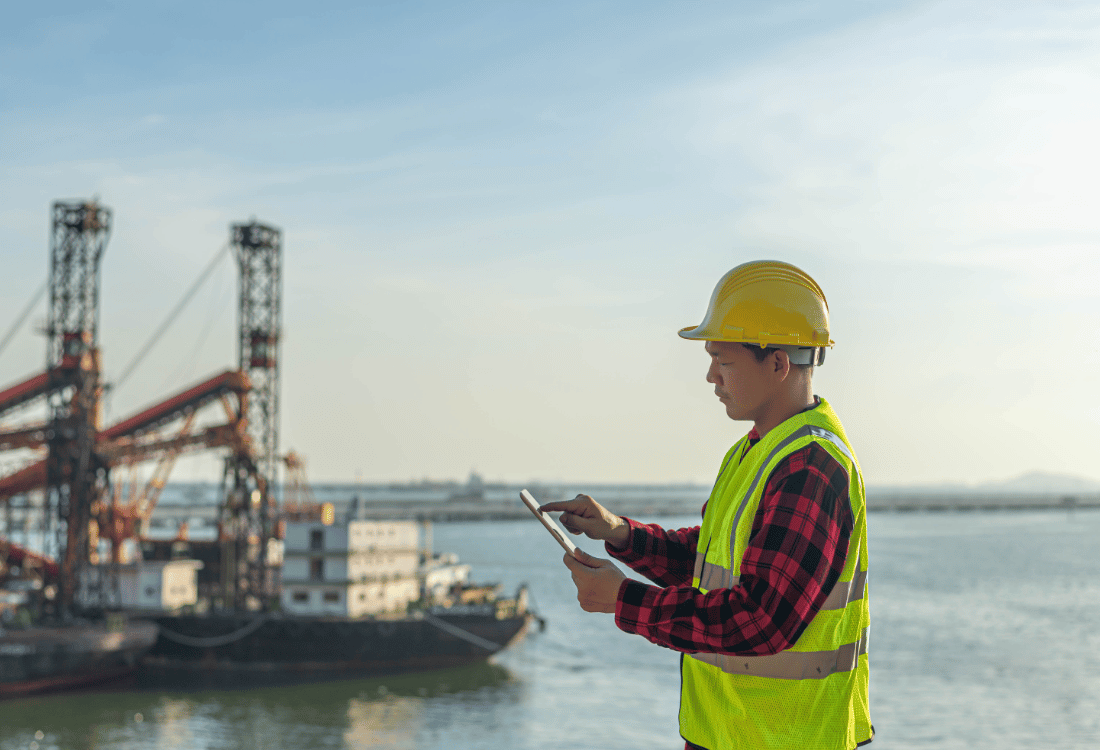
712, 375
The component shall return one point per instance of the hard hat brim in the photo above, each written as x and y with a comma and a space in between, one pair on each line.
698, 333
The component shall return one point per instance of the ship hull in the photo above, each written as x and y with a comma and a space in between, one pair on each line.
299, 649
40, 660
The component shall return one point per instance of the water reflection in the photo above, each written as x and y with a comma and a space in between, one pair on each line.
400, 711
173, 724
408, 711
391, 722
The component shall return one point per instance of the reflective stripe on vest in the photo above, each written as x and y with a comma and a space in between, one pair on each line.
802, 432
714, 576
792, 665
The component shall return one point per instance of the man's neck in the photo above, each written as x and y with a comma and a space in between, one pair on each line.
782, 412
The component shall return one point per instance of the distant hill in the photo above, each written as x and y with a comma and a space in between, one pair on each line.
1030, 483
1041, 481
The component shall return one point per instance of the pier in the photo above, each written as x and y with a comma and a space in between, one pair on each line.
201, 519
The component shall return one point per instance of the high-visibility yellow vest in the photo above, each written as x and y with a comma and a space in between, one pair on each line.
813, 696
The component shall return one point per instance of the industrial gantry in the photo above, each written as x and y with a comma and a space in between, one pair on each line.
83, 504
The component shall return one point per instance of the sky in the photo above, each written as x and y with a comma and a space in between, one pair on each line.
497, 215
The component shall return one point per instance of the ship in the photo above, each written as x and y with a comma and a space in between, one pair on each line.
37, 658
77, 655
357, 599
239, 651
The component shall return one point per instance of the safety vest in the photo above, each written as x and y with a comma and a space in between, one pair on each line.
814, 694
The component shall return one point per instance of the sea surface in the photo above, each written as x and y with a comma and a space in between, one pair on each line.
985, 634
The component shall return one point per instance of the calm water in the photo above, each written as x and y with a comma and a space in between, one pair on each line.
986, 634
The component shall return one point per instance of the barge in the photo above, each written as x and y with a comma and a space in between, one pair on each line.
236, 650
358, 598
42, 659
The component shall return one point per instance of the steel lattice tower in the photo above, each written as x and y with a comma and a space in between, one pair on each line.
74, 476
250, 510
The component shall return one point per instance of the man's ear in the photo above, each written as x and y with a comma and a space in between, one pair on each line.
782, 365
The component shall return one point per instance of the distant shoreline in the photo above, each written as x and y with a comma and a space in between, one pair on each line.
167, 517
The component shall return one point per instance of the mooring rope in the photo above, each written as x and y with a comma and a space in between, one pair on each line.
465, 635
216, 640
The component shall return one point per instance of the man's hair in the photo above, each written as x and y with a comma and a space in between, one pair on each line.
761, 353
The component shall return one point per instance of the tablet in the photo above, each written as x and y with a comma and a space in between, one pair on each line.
551, 525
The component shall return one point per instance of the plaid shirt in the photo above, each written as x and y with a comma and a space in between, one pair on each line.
795, 555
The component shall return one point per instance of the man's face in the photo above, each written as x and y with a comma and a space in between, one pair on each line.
740, 382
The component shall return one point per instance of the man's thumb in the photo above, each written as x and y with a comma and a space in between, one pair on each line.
586, 559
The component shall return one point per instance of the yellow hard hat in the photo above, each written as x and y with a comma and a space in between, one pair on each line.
766, 302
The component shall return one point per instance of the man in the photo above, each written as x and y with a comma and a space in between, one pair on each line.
767, 599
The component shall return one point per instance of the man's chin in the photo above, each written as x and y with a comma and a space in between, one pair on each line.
734, 413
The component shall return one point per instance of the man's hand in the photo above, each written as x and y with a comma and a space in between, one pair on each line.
583, 515
598, 581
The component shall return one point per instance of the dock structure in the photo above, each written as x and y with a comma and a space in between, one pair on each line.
168, 517
962, 501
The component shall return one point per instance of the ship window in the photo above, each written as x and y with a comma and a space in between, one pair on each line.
332, 596
362, 597
317, 569
317, 539
150, 591
300, 596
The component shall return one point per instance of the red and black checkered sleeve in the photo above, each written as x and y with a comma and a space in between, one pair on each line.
664, 556
796, 552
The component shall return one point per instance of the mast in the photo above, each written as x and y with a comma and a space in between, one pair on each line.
249, 511
75, 477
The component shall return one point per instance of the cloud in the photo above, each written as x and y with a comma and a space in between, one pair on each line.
925, 136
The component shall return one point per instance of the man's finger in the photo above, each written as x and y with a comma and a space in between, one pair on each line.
588, 561
576, 565
569, 506
579, 503
584, 557
573, 522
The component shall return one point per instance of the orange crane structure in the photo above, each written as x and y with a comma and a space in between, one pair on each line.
76, 460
